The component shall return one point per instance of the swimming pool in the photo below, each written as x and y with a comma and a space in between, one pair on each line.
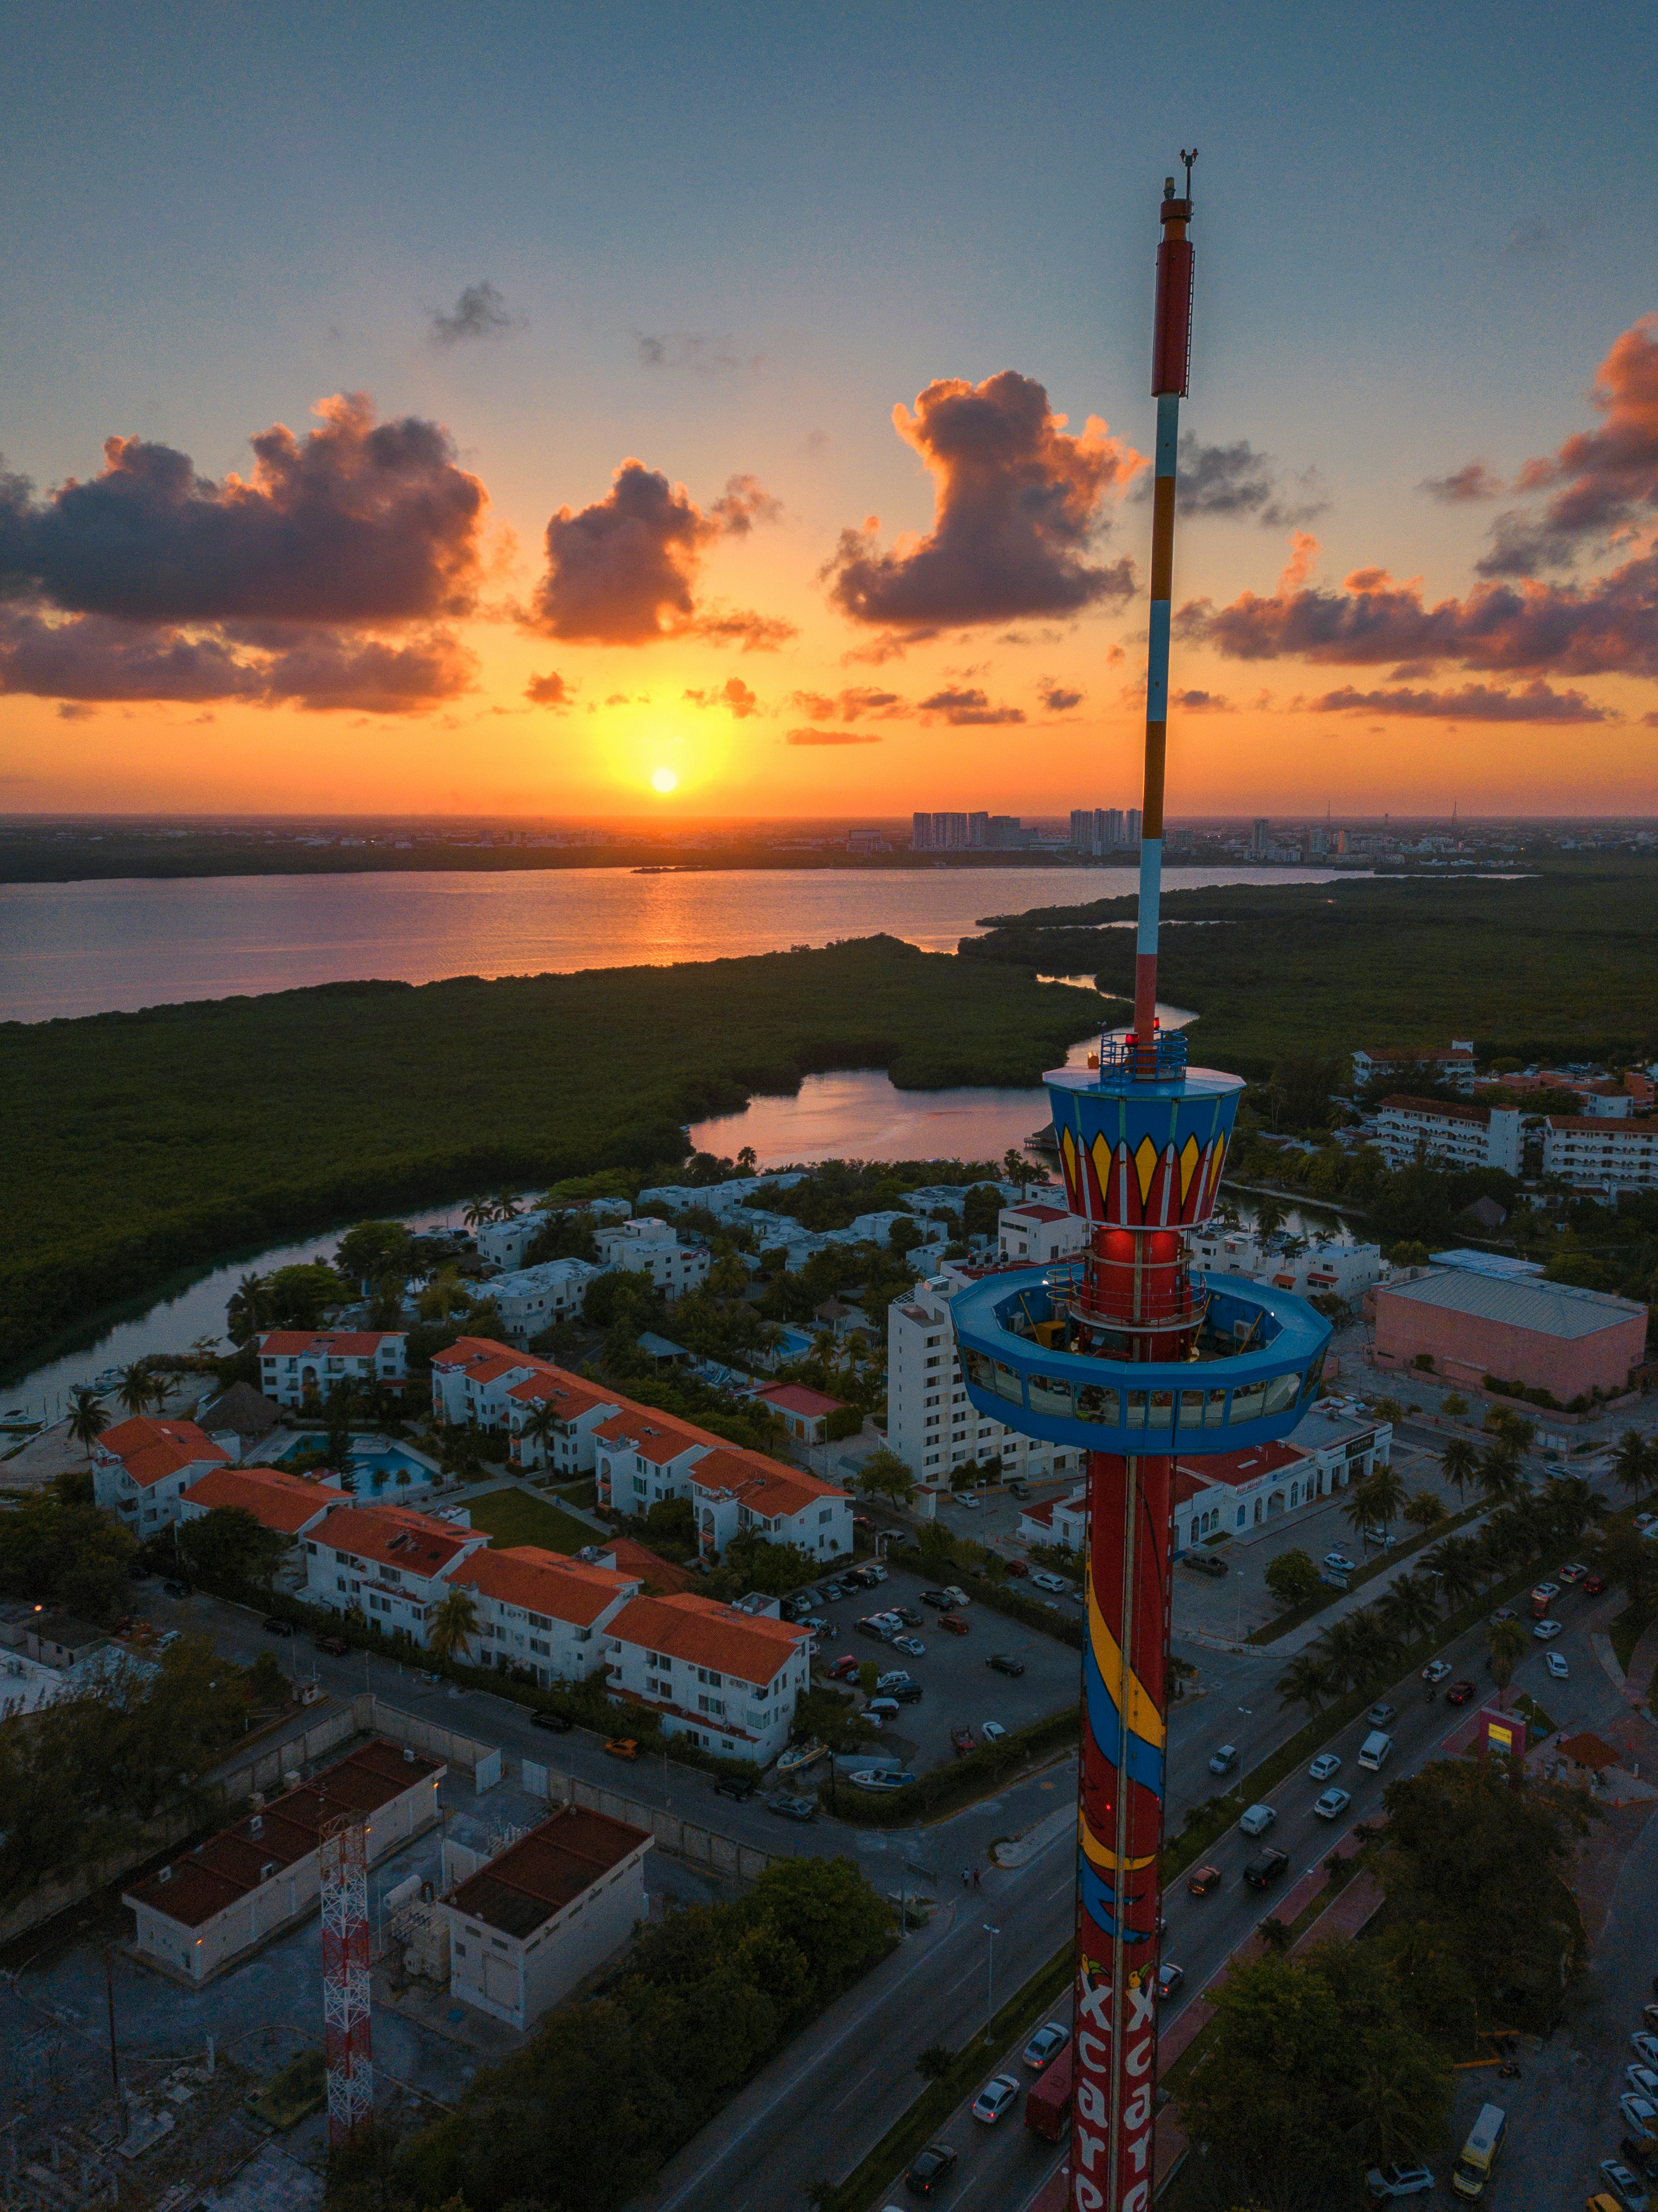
378, 1464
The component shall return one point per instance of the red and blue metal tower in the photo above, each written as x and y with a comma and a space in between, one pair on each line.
1129, 1355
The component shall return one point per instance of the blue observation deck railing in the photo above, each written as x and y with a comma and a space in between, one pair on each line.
1072, 1288
1160, 1058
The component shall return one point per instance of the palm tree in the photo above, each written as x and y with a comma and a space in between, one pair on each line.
1498, 1475
1423, 1510
248, 1309
88, 1419
541, 1424
1337, 1646
1459, 1462
1356, 1512
452, 1625
1634, 1463
506, 1207
1507, 1645
1376, 1645
479, 1212
1452, 1560
1386, 1492
1307, 1681
138, 1388
1270, 1214
1410, 1608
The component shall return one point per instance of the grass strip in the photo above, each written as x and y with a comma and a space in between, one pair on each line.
1270, 1630
947, 1789
1012, 2024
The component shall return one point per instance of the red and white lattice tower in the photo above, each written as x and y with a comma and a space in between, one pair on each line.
346, 2031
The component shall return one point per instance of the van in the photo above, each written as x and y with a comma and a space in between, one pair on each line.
1477, 2160
1376, 1749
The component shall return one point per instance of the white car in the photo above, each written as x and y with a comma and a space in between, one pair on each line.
1640, 2117
1435, 1671
1050, 1582
1341, 1562
1546, 1631
1333, 1804
1624, 2186
1257, 1821
971, 1503
1644, 2081
993, 2100
1557, 1666
1546, 1590
1399, 2181
1324, 1766
992, 1731
1644, 2046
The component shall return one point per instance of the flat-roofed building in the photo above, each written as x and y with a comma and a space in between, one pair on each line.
528, 1925
1451, 1134
1613, 1155
1550, 1336
202, 1912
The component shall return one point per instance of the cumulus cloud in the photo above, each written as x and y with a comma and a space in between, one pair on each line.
1475, 702
358, 522
1056, 697
549, 690
1202, 703
961, 706
743, 502
1018, 502
323, 672
480, 313
832, 738
1605, 627
745, 629
623, 570
734, 694
1472, 480
1604, 483
852, 704
1238, 481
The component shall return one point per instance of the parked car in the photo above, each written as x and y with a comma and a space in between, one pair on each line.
957, 1596
1594, 1585
1019, 1488
968, 1502
622, 1746
905, 1614
1459, 1693
1045, 2044
1265, 1867
1202, 1879
1640, 2117
882, 1709
1399, 2181
839, 1669
894, 1679
1205, 1563
555, 1724
993, 2100
955, 1622
1004, 1662
738, 1787
816, 1622
1324, 1766
1546, 1631
1333, 1804
1558, 1670
930, 2170
1435, 1671
1169, 1977
991, 1732
832, 1592
276, 1625
1018, 1568
882, 1631
336, 1646
1381, 1714
1645, 2046
1223, 1759
938, 1600
1341, 1562
963, 1741
790, 1808
1643, 2081
1257, 1821
1046, 1581
911, 1646
1623, 2184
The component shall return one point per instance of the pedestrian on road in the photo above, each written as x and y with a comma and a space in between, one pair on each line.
976, 1877
966, 1877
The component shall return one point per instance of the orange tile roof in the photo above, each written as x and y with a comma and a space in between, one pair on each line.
469, 1351
765, 1486
298, 1343
1441, 1109
571, 1398
1039, 1212
545, 1582
276, 1499
151, 1450
1602, 1125
652, 1435
705, 1633
641, 1565
796, 1398
394, 1537
1233, 1469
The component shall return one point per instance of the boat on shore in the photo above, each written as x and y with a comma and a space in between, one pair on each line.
799, 1755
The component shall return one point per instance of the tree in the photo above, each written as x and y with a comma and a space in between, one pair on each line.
1452, 1560
227, 1545
541, 1424
375, 1251
1624, 1556
1453, 1404
1461, 1464
1506, 1646
1516, 1433
1292, 1578
1409, 1608
1423, 1511
248, 1309
1271, 1213
139, 1387
59, 1549
1499, 1474
88, 1419
1386, 1492
299, 1296
478, 1213
1307, 1681
1635, 1463
454, 1624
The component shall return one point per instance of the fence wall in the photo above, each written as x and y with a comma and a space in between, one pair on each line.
686, 1839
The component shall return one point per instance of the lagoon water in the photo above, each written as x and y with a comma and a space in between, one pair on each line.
89, 948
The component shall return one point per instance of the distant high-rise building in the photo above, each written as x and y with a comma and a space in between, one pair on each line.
1082, 829
1006, 833
978, 831
1131, 826
1318, 841
949, 833
1260, 837
921, 834
1341, 840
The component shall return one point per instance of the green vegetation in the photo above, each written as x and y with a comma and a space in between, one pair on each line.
141, 1143
1561, 963
608, 2089
514, 1516
58, 1548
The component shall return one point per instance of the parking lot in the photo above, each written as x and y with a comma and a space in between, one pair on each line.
960, 1689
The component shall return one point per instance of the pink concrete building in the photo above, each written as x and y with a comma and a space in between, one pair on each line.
1547, 1335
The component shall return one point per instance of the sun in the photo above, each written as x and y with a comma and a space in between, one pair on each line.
665, 780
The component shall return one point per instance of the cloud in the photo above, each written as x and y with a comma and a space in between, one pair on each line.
1472, 480
623, 571
358, 522
1018, 502
1605, 627
1237, 480
832, 738
480, 313
1474, 702
696, 352
76, 710
549, 690
734, 694
1202, 703
852, 704
324, 673
744, 503
962, 707
1055, 697
1536, 238
1604, 482
742, 628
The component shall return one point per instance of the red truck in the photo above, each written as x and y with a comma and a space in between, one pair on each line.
1047, 2101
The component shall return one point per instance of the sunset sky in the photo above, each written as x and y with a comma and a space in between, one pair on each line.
511, 408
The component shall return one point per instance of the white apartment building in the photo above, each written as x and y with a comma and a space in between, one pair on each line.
1037, 1233
579, 1409
642, 1456
1453, 1136
732, 1489
387, 1562
142, 1467
930, 1423
540, 1611
1232, 1491
1341, 1270
532, 1299
504, 1243
720, 1198
473, 1381
649, 1246
297, 1364
1452, 1064
727, 1680
1617, 1155
292, 1505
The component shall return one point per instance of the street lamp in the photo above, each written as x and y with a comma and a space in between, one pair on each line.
990, 1973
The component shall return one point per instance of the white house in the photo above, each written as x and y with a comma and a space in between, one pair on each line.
141, 1467
539, 1610
930, 1423
1341, 1270
1062, 1521
533, 1298
1233, 1490
578, 1410
387, 1562
526, 1926
1616, 1155
727, 1681
470, 1381
649, 1246
297, 1364
1035, 1234
1451, 1065
642, 1456
1453, 1136
733, 1490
